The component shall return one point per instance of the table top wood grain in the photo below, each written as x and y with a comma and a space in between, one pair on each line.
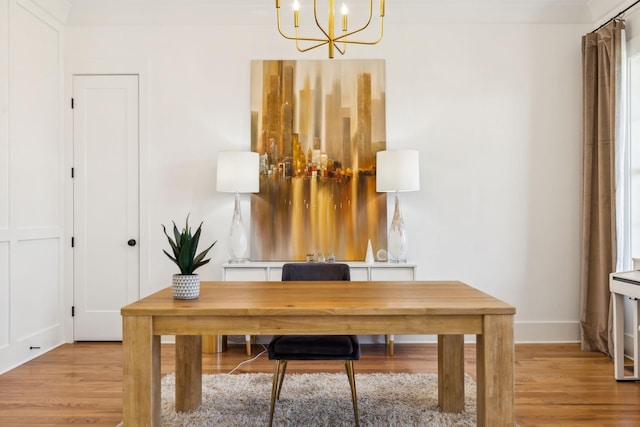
324, 298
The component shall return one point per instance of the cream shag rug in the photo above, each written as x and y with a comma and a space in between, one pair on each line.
318, 400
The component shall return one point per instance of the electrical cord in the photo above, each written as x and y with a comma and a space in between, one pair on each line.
249, 360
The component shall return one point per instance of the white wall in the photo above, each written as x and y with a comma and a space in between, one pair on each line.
495, 110
31, 183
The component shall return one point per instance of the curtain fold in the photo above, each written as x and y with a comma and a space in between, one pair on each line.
601, 67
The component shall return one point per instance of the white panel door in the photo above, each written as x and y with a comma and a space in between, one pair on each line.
106, 203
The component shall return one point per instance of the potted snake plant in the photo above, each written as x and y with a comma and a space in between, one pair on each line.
184, 246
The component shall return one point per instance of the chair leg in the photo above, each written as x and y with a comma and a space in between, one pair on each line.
283, 370
388, 340
276, 387
348, 364
247, 343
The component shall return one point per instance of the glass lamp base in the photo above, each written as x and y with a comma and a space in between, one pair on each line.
397, 241
237, 243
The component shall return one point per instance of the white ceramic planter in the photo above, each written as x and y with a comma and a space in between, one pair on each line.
186, 286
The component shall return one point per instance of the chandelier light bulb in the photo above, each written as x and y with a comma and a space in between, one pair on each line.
344, 17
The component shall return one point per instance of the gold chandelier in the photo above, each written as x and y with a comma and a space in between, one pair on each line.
327, 36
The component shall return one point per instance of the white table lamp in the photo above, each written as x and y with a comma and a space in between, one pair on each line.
397, 170
238, 172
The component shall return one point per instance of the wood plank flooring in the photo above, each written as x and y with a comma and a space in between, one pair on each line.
556, 384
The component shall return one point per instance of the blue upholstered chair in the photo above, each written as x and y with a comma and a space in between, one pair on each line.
283, 348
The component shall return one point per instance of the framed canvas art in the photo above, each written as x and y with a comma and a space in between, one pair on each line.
317, 126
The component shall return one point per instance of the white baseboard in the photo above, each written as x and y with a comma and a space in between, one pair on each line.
547, 332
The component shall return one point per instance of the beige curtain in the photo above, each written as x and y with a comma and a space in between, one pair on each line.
600, 66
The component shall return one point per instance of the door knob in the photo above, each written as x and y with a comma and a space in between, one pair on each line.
131, 242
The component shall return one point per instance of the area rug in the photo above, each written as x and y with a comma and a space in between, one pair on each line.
318, 400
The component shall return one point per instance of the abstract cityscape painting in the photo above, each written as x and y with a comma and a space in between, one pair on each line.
317, 126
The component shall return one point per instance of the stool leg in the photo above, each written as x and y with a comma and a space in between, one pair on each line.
281, 371
273, 393
348, 364
276, 386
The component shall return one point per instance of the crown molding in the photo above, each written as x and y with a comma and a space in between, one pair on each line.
261, 12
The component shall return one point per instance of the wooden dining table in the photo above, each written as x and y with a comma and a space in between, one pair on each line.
448, 309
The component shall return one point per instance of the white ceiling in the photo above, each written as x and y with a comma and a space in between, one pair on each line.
255, 12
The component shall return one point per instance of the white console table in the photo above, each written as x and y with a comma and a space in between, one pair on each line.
360, 271
621, 285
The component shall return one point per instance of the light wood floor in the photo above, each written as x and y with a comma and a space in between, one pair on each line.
556, 384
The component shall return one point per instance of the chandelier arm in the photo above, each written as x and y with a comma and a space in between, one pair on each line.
315, 16
279, 28
340, 51
288, 37
340, 38
296, 37
305, 39
324, 42
300, 49
368, 20
361, 28
309, 39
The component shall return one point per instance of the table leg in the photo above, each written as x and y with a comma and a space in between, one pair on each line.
188, 372
636, 342
141, 372
618, 335
495, 372
451, 373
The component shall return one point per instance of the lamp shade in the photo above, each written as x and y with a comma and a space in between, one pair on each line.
238, 172
397, 170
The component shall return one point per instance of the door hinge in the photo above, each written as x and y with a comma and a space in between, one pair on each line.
71, 103
73, 310
73, 242
73, 172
